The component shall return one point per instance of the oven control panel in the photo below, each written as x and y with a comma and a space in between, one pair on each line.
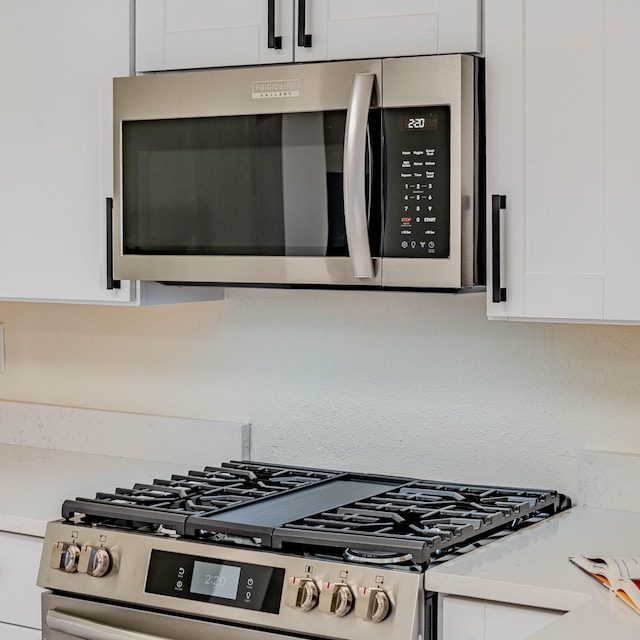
220, 581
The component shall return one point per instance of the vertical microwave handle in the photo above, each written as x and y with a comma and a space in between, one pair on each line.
355, 201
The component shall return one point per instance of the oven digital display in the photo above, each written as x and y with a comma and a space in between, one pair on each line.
232, 584
218, 580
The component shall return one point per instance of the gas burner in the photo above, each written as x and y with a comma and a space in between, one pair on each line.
376, 557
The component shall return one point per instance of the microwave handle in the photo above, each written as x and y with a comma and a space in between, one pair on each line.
354, 187
89, 630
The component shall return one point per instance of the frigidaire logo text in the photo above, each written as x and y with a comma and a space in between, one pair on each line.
275, 88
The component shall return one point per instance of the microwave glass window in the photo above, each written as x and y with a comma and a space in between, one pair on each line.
243, 185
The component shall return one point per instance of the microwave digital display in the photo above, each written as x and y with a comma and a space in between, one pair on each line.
427, 122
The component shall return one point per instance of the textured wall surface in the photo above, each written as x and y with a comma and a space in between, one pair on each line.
416, 384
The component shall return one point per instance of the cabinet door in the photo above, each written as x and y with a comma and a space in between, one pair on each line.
562, 136
622, 186
343, 29
19, 562
546, 153
190, 34
470, 619
57, 62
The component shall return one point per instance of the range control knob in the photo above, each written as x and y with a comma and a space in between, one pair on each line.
95, 561
301, 593
65, 556
372, 604
336, 598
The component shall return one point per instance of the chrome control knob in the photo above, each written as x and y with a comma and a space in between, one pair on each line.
95, 561
65, 556
336, 599
301, 593
372, 604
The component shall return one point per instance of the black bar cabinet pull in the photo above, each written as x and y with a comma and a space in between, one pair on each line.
111, 283
498, 203
304, 39
273, 41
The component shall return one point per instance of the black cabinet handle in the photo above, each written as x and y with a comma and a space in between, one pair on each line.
273, 41
498, 203
304, 39
111, 283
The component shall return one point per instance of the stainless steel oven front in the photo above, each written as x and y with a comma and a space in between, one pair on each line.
341, 174
163, 588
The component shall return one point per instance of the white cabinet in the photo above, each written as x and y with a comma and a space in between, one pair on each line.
561, 134
622, 187
55, 125
184, 34
470, 619
56, 162
19, 595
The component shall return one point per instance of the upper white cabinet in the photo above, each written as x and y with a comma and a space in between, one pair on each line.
56, 156
186, 34
561, 139
57, 62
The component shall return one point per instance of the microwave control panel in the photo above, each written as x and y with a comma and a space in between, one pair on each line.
418, 176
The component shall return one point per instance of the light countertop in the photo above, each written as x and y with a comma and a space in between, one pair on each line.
36, 481
531, 568
49, 454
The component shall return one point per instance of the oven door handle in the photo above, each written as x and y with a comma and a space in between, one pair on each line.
354, 184
89, 630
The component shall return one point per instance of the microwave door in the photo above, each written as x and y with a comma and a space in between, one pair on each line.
217, 184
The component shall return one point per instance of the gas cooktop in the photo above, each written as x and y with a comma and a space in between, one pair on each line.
358, 517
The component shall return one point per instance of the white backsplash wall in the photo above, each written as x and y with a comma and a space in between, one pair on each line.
415, 384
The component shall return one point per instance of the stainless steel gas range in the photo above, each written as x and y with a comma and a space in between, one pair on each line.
266, 552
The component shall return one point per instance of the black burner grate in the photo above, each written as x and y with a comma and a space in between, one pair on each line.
423, 518
169, 502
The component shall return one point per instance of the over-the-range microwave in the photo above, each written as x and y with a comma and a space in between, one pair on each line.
350, 174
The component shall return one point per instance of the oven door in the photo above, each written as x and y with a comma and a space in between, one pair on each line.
67, 618
250, 176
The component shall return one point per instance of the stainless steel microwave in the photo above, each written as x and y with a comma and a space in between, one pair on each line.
351, 174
